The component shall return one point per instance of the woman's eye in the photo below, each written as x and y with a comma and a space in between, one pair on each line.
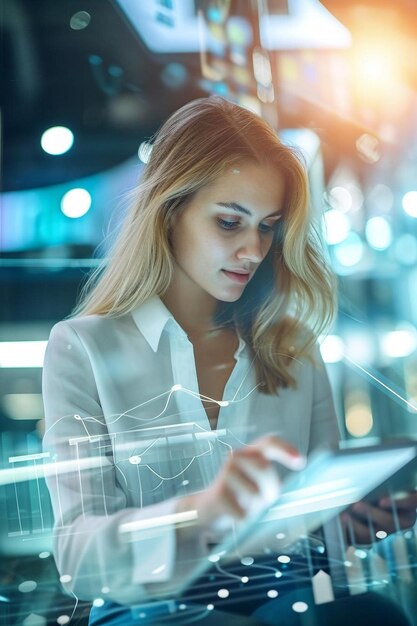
227, 224
265, 228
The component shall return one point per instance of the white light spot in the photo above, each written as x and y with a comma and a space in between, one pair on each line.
105, 589
144, 152
135, 460
223, 403
159, 569
399, 343
176, 387
22, 353
368, 148
280, 535
332, 349
378, 233
63, 619
213, 558
283, 558
247, 560
336, 226
80, 20
340, 198
76, 202
65, 578
185, 483
223, 593
77, 417
244, 579
300, 607
361, 554
98, 602
57, 140
210, 607
409, 203
278, 574
182, 607
381, 534
272, 593
348, 563
44, 555
27, 586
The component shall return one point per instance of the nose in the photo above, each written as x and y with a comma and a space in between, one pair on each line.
252, 248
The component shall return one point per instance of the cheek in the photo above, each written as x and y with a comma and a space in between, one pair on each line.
267, 245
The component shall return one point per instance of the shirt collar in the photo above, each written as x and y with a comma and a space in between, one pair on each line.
151, 318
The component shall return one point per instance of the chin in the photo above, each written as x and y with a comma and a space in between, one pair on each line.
229, 297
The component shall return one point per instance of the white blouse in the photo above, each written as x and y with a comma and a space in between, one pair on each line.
128, 433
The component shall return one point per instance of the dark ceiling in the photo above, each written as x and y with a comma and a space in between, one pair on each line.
101, 82
109, 88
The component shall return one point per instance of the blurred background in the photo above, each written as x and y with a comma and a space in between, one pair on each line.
83, 86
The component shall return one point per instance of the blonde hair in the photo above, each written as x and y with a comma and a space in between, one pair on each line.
291, 299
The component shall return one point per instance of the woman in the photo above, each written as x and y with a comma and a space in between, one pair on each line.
190, 364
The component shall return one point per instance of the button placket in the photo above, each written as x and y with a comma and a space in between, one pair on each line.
184, 374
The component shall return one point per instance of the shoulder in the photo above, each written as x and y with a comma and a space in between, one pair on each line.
91, 325
91, 333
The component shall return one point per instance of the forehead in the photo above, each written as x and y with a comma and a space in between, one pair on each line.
259, 187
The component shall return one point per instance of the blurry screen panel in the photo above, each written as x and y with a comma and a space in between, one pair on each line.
316, 76
69, 213
164, 26
173, 27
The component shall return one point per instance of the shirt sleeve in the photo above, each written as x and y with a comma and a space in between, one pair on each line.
324, 431
93, 547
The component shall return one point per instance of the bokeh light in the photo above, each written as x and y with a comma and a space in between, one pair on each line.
76, 202
359, 420
350, 251
405, 249
332, 349
144, 151
378, 233
336, 226
340, 198
409, 203
57, 140
399, 343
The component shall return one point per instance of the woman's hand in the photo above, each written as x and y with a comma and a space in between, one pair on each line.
363, 519
247, 482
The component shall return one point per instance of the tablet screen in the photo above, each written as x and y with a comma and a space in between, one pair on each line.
329, 483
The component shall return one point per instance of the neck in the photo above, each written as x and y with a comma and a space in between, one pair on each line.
193, 310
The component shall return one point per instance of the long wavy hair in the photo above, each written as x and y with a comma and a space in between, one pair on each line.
291, 298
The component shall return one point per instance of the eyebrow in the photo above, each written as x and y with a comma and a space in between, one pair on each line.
235, 206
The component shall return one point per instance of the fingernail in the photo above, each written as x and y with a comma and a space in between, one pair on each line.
299, 462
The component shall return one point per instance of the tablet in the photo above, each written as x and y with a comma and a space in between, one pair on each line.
329, 483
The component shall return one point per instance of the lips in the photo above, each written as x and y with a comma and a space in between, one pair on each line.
238, 276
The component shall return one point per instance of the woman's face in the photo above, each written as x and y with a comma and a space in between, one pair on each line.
220, 239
